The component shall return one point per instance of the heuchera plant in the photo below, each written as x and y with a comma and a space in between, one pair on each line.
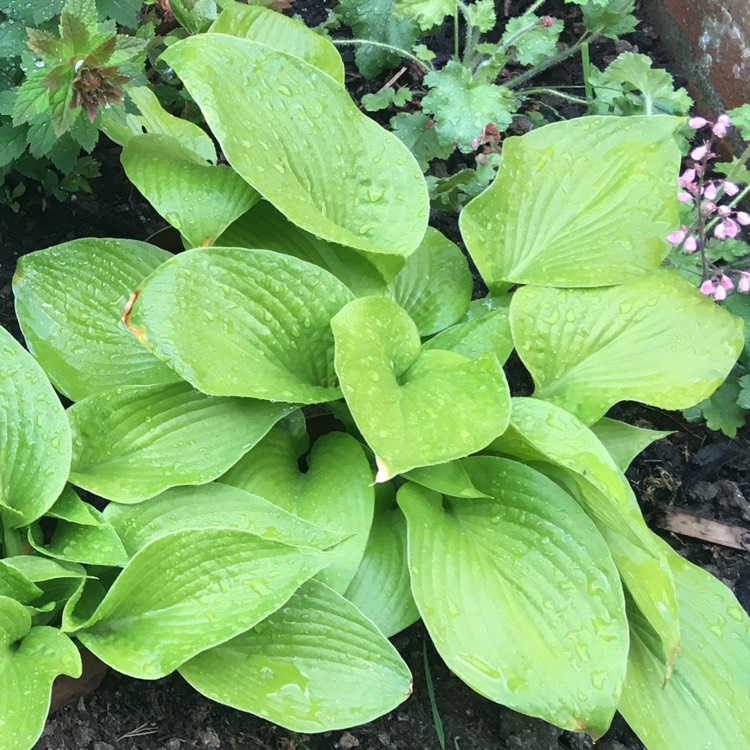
268, 566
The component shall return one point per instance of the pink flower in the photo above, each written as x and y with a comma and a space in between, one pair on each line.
684, 197
730, 188
699, 152
687, 179
724, 210
717, 287
726, 228
677, 237
726, 282
710, 191
743, 285
721, 126
743, 218
708, 287
708, 207
690, 245
697, 123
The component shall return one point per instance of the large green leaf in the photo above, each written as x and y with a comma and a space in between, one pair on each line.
624, 441
585, 202
198, 199
30, 659
132, 443
381, 588
448, 479
657, 340
315, 665
706, 703
520, 594
237, 322
35, 443
210, 506
275, 30
295, 135
191, 590
414, 407
435, 284
335, 491
69, 299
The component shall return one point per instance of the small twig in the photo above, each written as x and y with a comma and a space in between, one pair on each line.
392, 80
140, 731
689, 524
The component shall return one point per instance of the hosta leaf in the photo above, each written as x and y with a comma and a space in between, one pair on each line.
69, 299
274, 30
133, 442
341, 176
489, 334
237, 322
264, 226
414, 407
705, 704
210, 506
191, 590
587, 349
435, 284
30, 659
520, 594
314, 665
198, 199
381, 588
334, 491
624, 441
448, 479
584, 202
35, 444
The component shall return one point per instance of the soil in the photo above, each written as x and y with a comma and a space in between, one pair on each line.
694, 469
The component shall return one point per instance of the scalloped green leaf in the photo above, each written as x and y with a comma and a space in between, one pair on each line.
414, 407
334, 491
315, 665
520, 595
624, 441
69, 299
588, 349
580, 203
236, 322
340, 176
271, 28
131, 443
197, 198
35, 441
188, 591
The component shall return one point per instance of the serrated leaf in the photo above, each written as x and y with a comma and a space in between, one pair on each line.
740, 117
342, 177
586, 202
500, 581
69, 299
610, 18
315, 665
417, 132
533, 41
588, 349
721, 410
133, 442
188, 591
383, 98
12, 143
335, 492
31, 98
482, 15
125, 12
248, 310
427, 13
624, 441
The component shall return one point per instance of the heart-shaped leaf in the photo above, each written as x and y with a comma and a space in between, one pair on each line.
191, 590
585, 202
35, 443
657, 340
334, 492
69, 299
314, 665
448, 479
414, 407
624, 441
520, 594
134, 442
237, 322
327, 167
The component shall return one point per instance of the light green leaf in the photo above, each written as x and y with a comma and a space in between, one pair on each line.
35, 443
427, 13
383, 98
30, 659
284, 34
414, 407
209, 506
435, 284
315, 665
265, 227
448, 479
520, 594
489, 334
198, 199
381, 588
69, 299
705, 703
585, 202
588, 349
188, 591
533, 41
624, 441
132, 443
341, 177
237, 322
417, 131
335, 491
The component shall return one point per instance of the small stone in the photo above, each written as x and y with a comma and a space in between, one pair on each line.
208, 738
348, 741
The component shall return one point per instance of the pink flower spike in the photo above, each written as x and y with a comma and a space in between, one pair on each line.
690, 245
721, 126
743, 285
697, 123
687, 178
720, 293
699, 152
676, 237
730, 188
743, 218
684, 197
708, 287
726, 282
710, 191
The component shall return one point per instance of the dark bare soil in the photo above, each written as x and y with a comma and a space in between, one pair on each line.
694, 469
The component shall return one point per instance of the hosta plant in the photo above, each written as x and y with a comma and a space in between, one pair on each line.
296, 437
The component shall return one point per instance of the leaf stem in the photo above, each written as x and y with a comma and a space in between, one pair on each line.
426, 67
11, 541
586, 65
553, 92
